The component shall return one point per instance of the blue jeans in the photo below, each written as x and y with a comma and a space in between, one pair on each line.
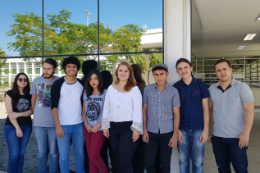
16, 147
74, 132
46, 141
191, 148
226, 150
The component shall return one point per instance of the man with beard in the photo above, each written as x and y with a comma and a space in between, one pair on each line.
44, 127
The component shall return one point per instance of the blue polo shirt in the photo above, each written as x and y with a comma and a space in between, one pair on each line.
191, 103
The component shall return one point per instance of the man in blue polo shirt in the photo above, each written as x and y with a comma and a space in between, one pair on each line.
194, 124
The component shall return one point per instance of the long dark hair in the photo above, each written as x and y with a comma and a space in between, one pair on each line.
89, 88
138, 74
15, 90
107, 78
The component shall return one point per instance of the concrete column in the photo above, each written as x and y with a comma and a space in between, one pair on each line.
177, 34
177, 44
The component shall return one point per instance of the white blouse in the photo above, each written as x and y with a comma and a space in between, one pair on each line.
123, 106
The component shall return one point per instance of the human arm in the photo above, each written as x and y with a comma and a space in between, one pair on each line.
176, 104
137, 125
84, 117
96, 128
9, 109
33, 101
249, 119
145, 134
105, 123
205, 133
247, 98
55, 96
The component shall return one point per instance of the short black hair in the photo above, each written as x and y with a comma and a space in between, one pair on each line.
89, 65
51, 62
182, 60
159, 68
71, 60
220, 61
107, 78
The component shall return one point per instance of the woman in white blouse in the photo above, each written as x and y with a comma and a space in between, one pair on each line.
122, 117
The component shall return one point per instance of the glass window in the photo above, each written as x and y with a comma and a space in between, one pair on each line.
20, 31
71, 27
128, 27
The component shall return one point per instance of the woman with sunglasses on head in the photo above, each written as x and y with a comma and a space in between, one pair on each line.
122, 119
18, 125
93, 102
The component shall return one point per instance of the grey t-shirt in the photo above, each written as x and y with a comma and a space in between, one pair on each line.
42, 116
94, 108
228, 111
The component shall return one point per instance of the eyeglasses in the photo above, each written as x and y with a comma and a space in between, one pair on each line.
21, 80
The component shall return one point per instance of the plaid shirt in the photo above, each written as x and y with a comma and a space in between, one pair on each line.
160, 107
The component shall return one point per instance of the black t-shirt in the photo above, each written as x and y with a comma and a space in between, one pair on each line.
20, 104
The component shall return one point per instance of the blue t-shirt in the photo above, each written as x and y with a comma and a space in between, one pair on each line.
191, 103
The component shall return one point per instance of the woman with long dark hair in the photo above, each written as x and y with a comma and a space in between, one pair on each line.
107, 81
18, 125
122, 119
93, 97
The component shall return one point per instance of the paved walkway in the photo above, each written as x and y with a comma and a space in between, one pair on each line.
30, 165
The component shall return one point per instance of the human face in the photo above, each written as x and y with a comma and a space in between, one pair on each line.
71, 70
223, 71
93, 81
123, 73
22, 84
160, 76
48, 70
184, 70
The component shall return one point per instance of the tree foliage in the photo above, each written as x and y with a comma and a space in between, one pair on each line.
64, 37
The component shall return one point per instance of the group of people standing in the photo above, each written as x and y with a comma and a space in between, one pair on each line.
139, 125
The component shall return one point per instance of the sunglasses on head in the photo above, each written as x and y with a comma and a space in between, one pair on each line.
21, 79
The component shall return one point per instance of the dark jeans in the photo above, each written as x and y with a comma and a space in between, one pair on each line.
103, 153
156, 141
16, 147
226, 150
122, 145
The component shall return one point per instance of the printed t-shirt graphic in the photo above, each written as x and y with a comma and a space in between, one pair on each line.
93, 108
23, 104
44, 94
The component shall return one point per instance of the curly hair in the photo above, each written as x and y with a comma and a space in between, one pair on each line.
71, 60
131, 79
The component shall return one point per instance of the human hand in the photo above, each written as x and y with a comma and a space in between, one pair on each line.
95, 128
243, 140
19, 132
13, 115
180, 136
59, 132
136, 135
146, 136
106, 133
204, 136
89, 128
173, 141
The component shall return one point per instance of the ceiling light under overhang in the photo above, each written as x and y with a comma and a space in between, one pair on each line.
258, 17
250, 36
241, 47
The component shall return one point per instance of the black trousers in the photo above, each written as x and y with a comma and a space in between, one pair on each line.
123, 147
156, 141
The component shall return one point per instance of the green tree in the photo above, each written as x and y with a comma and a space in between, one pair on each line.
64, 37
154, 58
2, 63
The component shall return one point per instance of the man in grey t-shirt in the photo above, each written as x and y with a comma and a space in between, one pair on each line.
232, 107
44, 128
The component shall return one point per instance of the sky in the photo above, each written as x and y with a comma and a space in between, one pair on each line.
113, 13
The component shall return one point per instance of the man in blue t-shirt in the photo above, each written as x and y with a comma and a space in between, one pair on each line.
194, 123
